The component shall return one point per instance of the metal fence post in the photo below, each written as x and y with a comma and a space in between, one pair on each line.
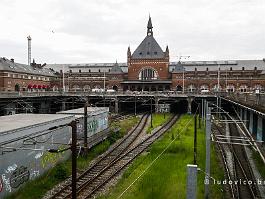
191, 191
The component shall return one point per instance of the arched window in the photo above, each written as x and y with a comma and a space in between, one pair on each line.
178, 88
230, 88
86, 88
191, 88
243, 88
115, 87
76, 87
148, 74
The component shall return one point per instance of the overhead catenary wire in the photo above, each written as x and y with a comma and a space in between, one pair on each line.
149, 166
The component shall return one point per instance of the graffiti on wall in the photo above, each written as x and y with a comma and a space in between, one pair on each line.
1, 185
6, 183
92, 125
19, 176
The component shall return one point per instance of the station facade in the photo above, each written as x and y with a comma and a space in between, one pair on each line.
148, 68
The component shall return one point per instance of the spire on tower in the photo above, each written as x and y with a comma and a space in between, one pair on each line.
149, 27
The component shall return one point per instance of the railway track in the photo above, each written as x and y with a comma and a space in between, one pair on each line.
106, 159
88, 186
233, 189
91, 187
242, 171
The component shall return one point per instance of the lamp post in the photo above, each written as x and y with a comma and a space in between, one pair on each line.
151, 113
164, 111
183, 80
134, 104
85, 129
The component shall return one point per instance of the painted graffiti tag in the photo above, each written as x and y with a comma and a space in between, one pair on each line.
34, 173
11, 168
6, 183
38, 155
19, 176
1, 185
92, 125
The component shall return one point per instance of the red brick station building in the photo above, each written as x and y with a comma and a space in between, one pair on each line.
148, 68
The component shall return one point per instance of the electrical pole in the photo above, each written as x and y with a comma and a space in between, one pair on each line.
195, 140
164, 109
183, 80
151, 114
85, 129
218, 79
74, 166
199, 115
135, 104
63, 80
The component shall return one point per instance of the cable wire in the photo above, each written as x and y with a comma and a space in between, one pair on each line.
185, 127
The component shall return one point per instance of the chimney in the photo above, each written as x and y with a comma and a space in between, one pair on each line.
29, 50
12, 60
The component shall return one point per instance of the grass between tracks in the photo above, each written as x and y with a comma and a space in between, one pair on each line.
158, 120
39, 186
166, 178
259, 163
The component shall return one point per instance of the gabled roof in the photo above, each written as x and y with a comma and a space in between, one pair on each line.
116, 69
8, 65
148, 49
178, 68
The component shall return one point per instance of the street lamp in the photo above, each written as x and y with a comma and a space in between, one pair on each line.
183, 80
134, 104
151, 113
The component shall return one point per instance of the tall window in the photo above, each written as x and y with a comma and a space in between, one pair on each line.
148, 74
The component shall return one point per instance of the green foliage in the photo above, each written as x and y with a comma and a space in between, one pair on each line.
166, 178
157, 120
60, 172
259, 163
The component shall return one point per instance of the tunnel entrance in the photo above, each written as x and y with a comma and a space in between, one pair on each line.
180, 106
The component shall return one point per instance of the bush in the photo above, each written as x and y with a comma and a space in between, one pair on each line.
60, 172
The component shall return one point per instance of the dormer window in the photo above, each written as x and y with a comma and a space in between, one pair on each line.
231, 68
148, 53
140, 53
155, 53
243, 68
79, 71
207, 69
99, 70
89, 70
255, 68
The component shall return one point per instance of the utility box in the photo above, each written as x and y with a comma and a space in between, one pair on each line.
24, 141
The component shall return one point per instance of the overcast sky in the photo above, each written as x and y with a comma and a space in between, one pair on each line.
82, 31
